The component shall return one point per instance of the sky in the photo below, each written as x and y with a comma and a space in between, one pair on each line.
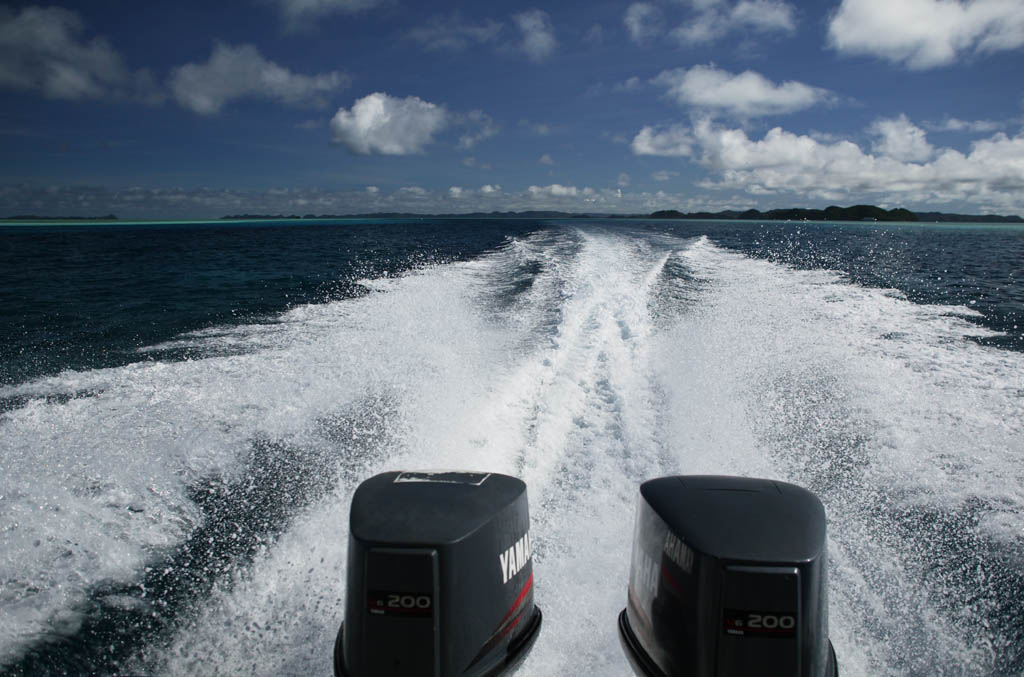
201, 109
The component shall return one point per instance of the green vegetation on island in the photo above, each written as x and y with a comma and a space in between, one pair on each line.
854, 213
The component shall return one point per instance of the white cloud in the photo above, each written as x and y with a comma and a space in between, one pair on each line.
454, 33
901, 139
482, 127
926, 33
538, 128
764, 15
991, 175
972, 126
746, 94
300, 13
43, 49
989, 179
706, 27
715, 20
241, 72
210, 202
902, 167
538, 34
629, 85
372, 190
457, 192
379, 123
546, 159
702, 4
623, 180
643, 21
674, 141
664, 175
554, 190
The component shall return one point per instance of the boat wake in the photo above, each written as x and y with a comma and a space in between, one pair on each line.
191, 516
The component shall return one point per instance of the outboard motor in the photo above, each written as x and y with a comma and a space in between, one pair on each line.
440, 577
728, 578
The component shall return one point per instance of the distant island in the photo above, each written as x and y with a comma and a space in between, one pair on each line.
854, 213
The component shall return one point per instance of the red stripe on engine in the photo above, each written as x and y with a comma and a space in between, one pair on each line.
519, 600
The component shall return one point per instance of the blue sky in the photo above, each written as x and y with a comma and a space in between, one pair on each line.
199, 109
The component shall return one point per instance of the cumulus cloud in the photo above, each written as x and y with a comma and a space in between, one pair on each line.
453, 33
743, 173
241, 72
44, 49
643, 21
747, 94
487, 192
923, 34
546, 159
673, 141
901, 139
991, 175
379, 123
764, 15
554, 190
901, 166
140, 202
481, 126
538, 34
715, 20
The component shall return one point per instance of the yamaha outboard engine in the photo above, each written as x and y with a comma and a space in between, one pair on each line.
440, 577
728, 577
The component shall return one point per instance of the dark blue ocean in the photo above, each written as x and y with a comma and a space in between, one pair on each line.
186, 409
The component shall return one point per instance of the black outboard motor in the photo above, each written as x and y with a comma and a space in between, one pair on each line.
728, 578
440, 577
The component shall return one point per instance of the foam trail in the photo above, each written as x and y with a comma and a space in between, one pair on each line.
583, 361
104, 471
910, 434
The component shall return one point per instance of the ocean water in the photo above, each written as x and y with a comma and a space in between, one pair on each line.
186, 409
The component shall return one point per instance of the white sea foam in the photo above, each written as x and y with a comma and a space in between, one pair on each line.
605, 370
